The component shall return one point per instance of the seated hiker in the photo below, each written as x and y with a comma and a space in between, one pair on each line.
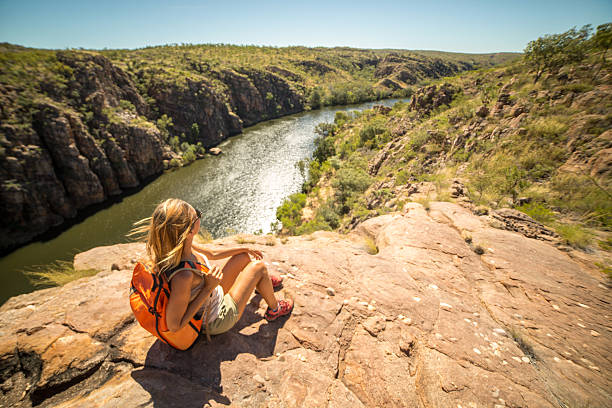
218, 294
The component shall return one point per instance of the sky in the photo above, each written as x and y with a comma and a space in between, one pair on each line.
476, 26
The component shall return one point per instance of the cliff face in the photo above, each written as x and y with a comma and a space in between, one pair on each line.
61, 164
427, 321
77, 128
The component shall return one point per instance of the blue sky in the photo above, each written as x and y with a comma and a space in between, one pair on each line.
460, 25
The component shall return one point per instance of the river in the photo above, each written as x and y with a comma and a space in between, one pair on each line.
237, 192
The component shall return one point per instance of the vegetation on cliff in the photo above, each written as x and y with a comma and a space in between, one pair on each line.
536, 138
80, 126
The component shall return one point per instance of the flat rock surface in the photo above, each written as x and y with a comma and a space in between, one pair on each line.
425, 322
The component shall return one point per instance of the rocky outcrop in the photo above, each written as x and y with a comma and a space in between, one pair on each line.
424, 322
408, 69
429, 98
196, 103
259, 95
61, 164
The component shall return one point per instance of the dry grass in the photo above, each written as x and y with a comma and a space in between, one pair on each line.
57, 273
370, 246
240, 239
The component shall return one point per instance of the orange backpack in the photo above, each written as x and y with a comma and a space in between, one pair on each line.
149, 295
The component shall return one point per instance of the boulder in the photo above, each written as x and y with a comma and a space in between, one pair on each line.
483, 111
424, 322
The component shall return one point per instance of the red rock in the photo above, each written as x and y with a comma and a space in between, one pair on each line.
78, 345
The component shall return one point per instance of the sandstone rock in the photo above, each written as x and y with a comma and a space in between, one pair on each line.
438, 332
482, 112
514, 220
429, 98
114, 257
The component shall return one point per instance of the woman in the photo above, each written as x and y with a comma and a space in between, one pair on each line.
221, 294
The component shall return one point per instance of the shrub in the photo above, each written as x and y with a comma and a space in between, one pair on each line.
127, 105
547, 129
538, 212
371, 130
403, 176
574, 235
290, 212
324, 148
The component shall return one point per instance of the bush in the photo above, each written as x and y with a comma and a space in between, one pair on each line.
547, 130
371, 130
538, 212
551, 52
403, 176
290, 212
324, 148
574, 235
583, 196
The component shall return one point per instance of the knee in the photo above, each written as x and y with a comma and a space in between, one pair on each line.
242, 258
258, 268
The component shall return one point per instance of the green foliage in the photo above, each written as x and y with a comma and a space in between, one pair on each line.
403, 176
164, 123
324, 148
349, 182
127, 105
551, 52
290, 212
538, 212
315, 99
574, 235
371, 130
583, 196
497, 177
195, 131
602, 40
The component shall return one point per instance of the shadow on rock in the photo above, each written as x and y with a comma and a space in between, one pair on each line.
193, 377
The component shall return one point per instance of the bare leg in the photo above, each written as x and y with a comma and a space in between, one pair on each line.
255, 275
232, 269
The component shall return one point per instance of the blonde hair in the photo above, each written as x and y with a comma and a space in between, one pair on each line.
166, 232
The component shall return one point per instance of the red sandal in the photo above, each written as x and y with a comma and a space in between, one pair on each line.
276, 280
284, 308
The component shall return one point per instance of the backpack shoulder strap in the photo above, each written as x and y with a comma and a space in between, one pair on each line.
185, 266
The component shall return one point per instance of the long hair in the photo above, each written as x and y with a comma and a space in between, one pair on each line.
166, 232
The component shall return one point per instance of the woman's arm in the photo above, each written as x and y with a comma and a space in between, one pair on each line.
226, 253
179, 311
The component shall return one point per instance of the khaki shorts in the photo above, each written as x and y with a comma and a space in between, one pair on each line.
228, 316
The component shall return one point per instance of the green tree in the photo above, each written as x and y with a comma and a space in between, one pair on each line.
163, 124
602, 41
195, 131
551, 52
314, 100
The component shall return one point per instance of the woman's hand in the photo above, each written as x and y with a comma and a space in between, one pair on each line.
254, 253
213, 278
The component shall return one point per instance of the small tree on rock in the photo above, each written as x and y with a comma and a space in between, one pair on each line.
551, 52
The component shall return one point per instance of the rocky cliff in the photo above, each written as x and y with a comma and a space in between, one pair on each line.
425, 322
